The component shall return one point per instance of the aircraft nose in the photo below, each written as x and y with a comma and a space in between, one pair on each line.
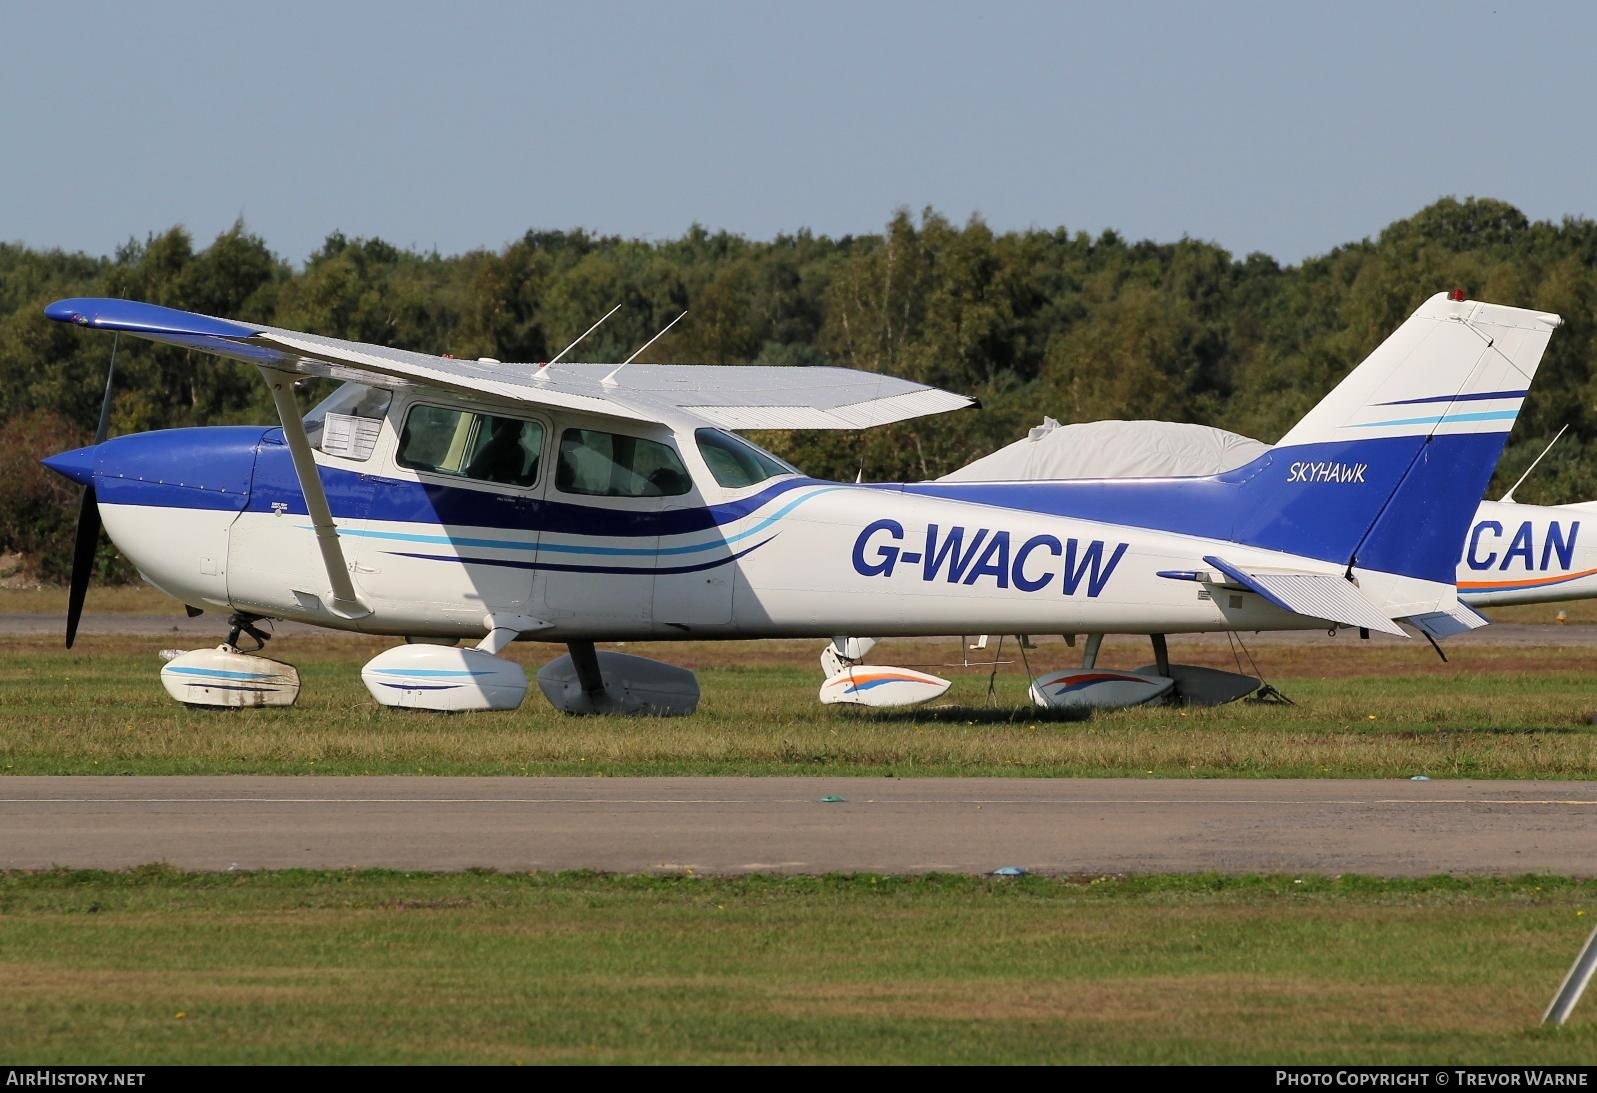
78, 464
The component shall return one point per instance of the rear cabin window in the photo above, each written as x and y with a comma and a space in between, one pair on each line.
483, 447
612, 465
735, 462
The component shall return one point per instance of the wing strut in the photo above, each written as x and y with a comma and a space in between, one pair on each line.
342, 600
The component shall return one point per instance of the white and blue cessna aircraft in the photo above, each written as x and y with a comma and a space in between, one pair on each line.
443, 500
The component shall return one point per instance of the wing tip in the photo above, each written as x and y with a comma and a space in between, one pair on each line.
137, 317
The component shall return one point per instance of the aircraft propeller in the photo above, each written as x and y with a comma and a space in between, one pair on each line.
87, 539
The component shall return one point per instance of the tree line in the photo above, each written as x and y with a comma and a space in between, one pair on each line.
1071, 325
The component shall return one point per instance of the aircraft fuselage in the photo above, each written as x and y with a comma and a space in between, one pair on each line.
215, 518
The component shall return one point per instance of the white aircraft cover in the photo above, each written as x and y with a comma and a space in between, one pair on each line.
1113, 449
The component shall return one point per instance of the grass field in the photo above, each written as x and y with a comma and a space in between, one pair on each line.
160, 967
1362, 710
156, 966
116, 599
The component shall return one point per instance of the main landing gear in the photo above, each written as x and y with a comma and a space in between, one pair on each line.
1098, 688
849, 680
586, 681
443, 678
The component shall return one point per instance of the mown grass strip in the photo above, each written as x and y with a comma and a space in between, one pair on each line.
1361, 712
153, 966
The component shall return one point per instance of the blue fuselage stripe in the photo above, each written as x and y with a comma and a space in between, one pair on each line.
556, 567
468, 542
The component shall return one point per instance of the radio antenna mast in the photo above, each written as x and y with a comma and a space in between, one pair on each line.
543, 369
610, 380
1508, 498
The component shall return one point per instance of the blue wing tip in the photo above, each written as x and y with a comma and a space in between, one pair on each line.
66, 311
136, 317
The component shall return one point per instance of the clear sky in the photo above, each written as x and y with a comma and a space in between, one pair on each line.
1286, 128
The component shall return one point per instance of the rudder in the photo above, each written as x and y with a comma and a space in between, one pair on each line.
1387, 470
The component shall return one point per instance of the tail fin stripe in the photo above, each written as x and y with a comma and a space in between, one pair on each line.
1470, 396
1487, 415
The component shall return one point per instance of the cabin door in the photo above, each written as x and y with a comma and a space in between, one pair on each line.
452, 527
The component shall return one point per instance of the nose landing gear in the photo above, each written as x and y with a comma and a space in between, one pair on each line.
228, 677
242, 623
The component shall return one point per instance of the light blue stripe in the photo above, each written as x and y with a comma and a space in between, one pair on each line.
426, 672
215, 673
569, 548
442, 540
778, 514
1484, 415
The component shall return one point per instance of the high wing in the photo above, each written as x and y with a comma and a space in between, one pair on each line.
735, 397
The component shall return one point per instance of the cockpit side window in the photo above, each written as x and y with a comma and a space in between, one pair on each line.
484, 447
613, 465
735, 462
505, 450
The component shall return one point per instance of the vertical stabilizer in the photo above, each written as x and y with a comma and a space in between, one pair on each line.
1387, 470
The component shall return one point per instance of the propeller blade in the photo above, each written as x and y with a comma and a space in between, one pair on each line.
83, 549
87, 540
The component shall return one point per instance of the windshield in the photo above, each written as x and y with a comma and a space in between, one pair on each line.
735, 462
350, 399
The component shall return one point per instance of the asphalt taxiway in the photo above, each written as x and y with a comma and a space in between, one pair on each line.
802, 825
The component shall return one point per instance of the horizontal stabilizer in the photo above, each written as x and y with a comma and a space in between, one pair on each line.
1445, 624
1328, 596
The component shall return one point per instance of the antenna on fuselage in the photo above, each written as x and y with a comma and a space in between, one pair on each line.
1508, 498
543, 369
610, 380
